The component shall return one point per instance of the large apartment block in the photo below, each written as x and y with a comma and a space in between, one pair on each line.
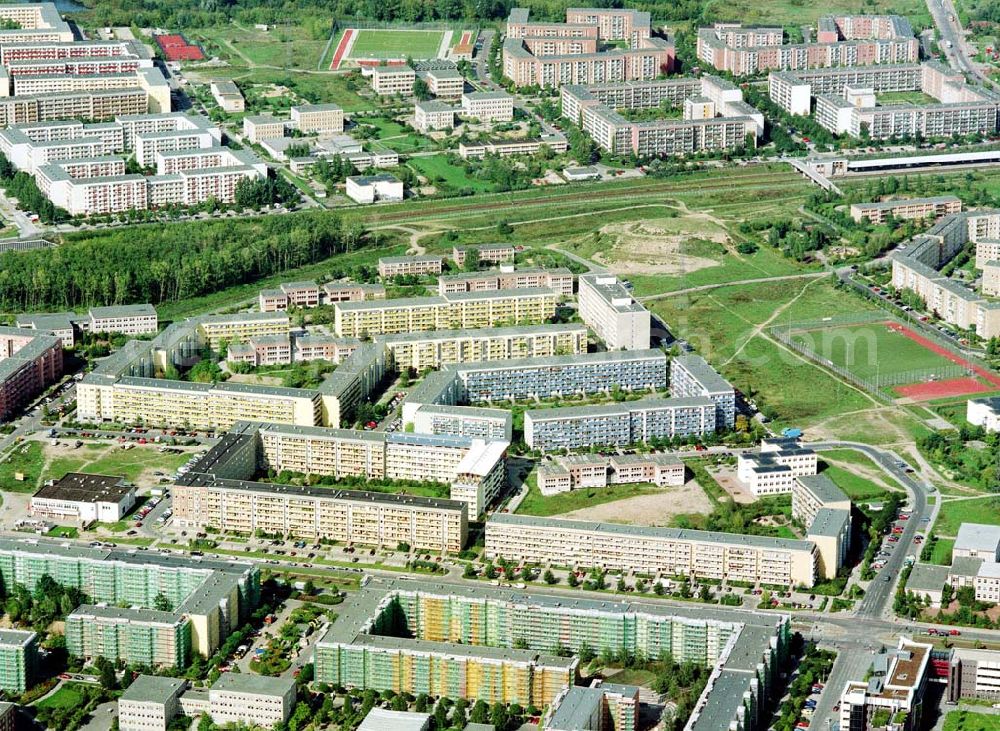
553, 54
664, 551
691, 375
30, 362
714, 116
841, 41
209, 598
18, 658
475, 643
917, 268
134, 636
439, 348
81, 167
537, 377
618, 424
508, 277
450, 311
218, 493
612, 313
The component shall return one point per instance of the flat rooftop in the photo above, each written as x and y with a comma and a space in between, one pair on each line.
81, 487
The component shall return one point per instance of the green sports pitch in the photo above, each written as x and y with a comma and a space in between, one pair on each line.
870, 350
393, 44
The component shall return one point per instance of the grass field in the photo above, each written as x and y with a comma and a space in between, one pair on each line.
442, 173
856, 487
941, 555
37, 462
969, 721
723, 325
535, 503
955, 512
69, 695
418, 44
870, 350
903, 97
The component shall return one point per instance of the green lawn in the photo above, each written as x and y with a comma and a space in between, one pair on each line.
442, 173
969, 721
418, 44
723, 321
294, 47
954, 513
535, 503
857, 488
870, 350
797, 12
108, 459
941, 555
69, 695
63, 531
905, 97
25, 463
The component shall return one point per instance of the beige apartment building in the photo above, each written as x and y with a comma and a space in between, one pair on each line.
612, 313
910, 208
255, 700
151, 401
387, 80
397, 266
318, 119
242, 326
437, 348
489, 253
451, 311
508, 277
664, 551
346, 516
263, 127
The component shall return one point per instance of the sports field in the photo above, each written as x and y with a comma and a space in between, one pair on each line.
418, 44
870, 350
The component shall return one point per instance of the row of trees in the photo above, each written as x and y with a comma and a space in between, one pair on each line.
166, 263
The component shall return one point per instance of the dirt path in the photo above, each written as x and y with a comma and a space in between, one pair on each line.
774, 316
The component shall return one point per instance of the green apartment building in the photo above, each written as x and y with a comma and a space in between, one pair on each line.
134, 636
208, 598
18, 651
508, 646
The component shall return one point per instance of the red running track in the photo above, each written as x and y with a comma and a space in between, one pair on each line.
942, 389
338, 55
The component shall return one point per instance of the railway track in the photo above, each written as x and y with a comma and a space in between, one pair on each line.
764, 180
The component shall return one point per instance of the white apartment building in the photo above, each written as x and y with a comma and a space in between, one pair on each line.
149, 703
370, 188
612, 313
488, 106
433, 114
387, 80
125, 319
255, 700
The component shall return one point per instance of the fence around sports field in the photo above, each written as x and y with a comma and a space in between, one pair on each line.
879, 386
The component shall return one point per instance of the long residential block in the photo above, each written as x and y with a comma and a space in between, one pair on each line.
666, 551
618, 424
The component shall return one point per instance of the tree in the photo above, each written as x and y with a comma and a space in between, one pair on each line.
106, 673
420, 89
480, 712
549, 578
162, 603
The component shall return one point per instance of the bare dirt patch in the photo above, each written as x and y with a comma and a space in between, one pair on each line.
725, 475
255, 378
656, 509
663, 246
